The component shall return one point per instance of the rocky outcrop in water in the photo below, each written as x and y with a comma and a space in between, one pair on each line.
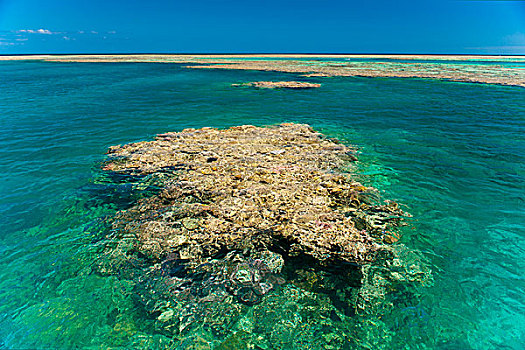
254, 235
280, 188
294, 85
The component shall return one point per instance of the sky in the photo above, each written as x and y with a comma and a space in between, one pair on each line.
262, 26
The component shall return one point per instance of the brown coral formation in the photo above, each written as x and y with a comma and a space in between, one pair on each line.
281, 85
259, 232
282, 188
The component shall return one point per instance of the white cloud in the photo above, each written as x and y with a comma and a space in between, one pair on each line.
49, 32
38, 31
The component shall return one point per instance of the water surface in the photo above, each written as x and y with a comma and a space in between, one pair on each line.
452, 152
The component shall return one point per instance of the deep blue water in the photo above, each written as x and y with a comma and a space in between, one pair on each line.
453, 153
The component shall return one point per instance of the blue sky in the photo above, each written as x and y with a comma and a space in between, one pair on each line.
329, 26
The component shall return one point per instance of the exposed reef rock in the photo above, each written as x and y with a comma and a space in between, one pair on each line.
281, 85
257, 236
247, 188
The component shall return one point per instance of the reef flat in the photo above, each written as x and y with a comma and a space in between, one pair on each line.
452, 68
489, 74
245, 217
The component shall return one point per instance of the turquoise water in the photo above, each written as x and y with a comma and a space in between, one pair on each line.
454, 153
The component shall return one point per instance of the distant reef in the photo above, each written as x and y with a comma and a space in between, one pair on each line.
472, 69
294, 85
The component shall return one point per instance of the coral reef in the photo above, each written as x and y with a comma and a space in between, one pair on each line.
257, 236
247, 188
489, 74
441, 67
281, 85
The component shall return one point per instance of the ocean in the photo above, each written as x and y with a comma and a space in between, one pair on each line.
452, 153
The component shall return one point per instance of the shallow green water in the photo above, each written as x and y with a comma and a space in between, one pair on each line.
516, 62
452, 152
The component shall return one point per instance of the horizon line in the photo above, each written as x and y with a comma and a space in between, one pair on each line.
263, 53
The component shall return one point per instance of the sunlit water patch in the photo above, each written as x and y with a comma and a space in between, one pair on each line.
451, 152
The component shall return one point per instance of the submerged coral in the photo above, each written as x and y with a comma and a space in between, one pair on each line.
248, 216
